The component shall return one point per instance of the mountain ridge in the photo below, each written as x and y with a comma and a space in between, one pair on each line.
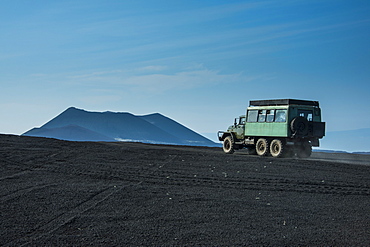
80, 125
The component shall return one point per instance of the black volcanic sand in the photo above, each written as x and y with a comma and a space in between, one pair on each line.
56, 193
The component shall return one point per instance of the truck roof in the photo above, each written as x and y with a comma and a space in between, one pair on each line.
275, 102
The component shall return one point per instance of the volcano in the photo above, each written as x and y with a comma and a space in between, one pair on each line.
79, 125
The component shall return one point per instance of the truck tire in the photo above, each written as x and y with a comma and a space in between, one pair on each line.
299, 126
262, 147
228, 145
304, 150
277, 148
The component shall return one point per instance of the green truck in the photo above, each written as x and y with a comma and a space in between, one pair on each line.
279, 127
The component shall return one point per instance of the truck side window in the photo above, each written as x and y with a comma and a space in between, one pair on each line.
242, 121
280, 116
261, 115
252, 116
270, 115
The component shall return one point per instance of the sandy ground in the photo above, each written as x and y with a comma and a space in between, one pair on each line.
57, 193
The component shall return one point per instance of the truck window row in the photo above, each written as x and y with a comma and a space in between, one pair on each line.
269, 116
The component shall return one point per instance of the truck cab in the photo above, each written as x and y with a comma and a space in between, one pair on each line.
238, 128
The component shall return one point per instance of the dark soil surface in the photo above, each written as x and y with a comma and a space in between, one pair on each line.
59, 193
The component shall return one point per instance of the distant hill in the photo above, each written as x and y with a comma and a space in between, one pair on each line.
176, 129
79, 125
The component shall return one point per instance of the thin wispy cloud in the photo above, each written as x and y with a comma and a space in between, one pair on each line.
148, 79
159, 83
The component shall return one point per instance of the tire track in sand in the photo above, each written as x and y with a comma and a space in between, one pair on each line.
161, 173
47, 229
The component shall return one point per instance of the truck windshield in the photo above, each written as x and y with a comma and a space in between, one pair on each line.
242, 121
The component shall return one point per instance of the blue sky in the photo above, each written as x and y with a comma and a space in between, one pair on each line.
197, 62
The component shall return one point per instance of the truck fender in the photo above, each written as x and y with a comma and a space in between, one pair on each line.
222, 135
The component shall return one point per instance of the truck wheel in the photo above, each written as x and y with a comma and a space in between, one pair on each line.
299, 126
228, 145
262, 147
304, 150
277, 148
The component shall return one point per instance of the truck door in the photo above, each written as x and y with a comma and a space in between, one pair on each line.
240, 128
